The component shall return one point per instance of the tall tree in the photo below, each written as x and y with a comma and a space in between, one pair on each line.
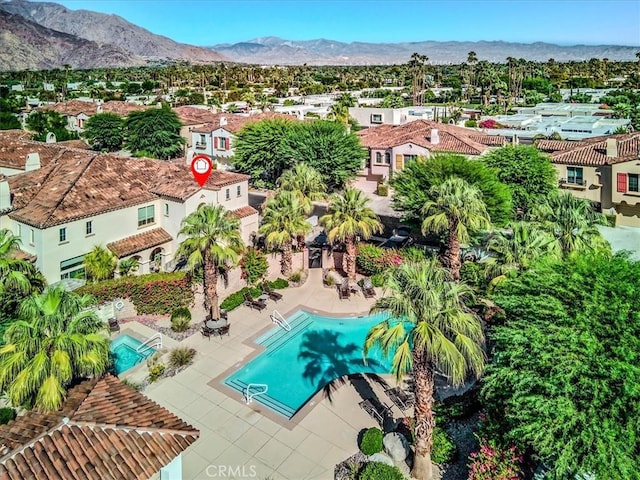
456, 211
57, 342
8, 121
304, 180
436, 333
349, 217
284, 219
154, 132
413, 185
213, 241
105, 132
44, 121
417, 67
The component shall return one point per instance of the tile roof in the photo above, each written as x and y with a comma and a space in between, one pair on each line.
243, 212
72, 107
235, 122
15, 145
551, 146
103, 430
177, 181
194, 115
81, 144
141, 241
594, 152
452, 139
123, 108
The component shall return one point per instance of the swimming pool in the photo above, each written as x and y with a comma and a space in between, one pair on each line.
298, 363
125, 353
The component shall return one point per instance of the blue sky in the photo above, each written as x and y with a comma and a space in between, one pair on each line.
209, 22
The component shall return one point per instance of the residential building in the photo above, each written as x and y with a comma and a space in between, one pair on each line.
216, 139
79, 199
391, 148
77, 112
193, 117
104, 429
604, 170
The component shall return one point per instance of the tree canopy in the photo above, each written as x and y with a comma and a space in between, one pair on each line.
9, 121
105, 132
413, 186
527, 172
155, 133
566, 367
265, 149
45, 121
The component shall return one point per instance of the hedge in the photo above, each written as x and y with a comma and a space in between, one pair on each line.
380, 471
155, 294
236, 299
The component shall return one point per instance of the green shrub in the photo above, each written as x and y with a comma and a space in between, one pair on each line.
611, 219
329, 281
132, 385
253, 265
295, 277
377, 280
180, 319
443, 449
413, 254
236, 299
371, 441
156, 370
6, 415
156, 294
473, 274
471, 123
368, 259
181, 356
383, 190
380, 471
278, 283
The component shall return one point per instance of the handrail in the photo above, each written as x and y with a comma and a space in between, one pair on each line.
277, 318
248, 396
147, 343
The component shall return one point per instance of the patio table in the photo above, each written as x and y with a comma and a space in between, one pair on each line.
213, 324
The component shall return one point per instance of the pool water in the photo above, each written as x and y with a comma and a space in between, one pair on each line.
298, 363
125, 354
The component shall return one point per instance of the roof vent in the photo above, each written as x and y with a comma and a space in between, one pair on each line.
223, 121
65, 420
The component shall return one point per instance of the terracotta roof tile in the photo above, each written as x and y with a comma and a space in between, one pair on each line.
141, 241
594, 153
80, 144
550, 146
243, 212
122, 108
73, 107
235, 122
104, 430
194, 115
178, 181
15, 145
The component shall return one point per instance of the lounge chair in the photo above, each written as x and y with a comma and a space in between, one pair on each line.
378, 412
367, 288
400, 398
255, 304
275, 296
114, 326
344, 291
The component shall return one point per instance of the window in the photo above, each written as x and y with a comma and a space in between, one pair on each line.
18, 230
62, 233
387, 158
376, 118
88, 228
409, 158
32, 237
222, 143
72, 268
203, 139
634, 183
574, 175
165, 209
227, 194
378, 157
238, 191
146, 215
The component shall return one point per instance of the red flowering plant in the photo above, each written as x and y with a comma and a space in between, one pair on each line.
494, 463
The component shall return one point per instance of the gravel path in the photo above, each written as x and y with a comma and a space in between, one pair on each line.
461, 432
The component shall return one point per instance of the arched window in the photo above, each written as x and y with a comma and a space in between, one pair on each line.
387, 158
378, 157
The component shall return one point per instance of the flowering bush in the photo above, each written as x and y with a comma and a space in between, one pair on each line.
253, 265
489, 123
372, 259
493, 463
155, 294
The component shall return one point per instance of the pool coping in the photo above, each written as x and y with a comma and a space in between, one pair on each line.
218, 384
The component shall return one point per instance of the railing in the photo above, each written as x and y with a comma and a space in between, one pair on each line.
154, 341
248, 396
201, 146
279, 320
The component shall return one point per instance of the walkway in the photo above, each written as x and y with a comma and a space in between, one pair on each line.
233, 435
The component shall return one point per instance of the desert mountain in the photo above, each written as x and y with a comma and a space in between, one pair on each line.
26, 45
274, 50
109, 29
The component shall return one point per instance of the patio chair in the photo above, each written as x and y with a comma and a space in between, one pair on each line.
206, 332
114, 326
250, 302
344, 292
377, 412
367, 288
275, 296
400, 398
223, 330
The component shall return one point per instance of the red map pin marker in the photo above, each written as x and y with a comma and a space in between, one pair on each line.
201, 168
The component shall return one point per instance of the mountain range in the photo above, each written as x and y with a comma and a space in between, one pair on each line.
43, 35
274, 50
82, 39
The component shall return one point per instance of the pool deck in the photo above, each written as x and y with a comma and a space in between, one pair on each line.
234, 435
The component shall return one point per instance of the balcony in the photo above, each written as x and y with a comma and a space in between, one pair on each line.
575, 184
200, 146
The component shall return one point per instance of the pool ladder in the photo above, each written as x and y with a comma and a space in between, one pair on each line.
154, 341
248, 395
279, 320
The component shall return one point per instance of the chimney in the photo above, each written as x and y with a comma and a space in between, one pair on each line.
33, 162
5, 196
98, 108
612, 147
223, 121
51, 138
435, 136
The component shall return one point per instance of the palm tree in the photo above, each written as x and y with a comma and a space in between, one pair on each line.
213, 242
303, 180
572, 221
100, 264
284, 219
437, 333
56, 342
348, 217
457, 210
518, 248
15, 274
128, 266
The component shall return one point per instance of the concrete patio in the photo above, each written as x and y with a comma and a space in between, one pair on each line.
237, 440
